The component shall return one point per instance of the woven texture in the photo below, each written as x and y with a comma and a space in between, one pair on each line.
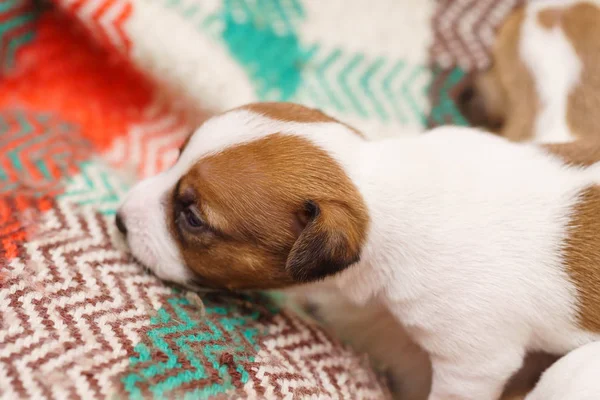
96, 94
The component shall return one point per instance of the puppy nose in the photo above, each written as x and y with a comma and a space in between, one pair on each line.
120, 224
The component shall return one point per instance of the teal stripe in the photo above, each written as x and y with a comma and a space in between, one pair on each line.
372, 70
388, 90
6, 5
15, 22
409, 97
331, 59
354, 62
14, 45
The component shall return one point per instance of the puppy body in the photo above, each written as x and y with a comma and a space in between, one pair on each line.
476, 245
465, 249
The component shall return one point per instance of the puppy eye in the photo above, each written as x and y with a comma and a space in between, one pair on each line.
190, 218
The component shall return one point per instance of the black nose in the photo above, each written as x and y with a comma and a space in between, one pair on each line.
120, 224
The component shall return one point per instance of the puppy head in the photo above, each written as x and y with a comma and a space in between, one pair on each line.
259, 198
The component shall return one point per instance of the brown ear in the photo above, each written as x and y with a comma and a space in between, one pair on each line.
482, 101
330, 241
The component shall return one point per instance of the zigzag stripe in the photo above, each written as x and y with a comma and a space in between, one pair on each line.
463, 31
196, 354
18, 215
96, 186
445, 87
105, 19
321, 366
38, 150
77, 309
17, 28
152, 145
375, 88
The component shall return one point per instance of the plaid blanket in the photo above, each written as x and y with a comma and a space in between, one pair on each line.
96, 94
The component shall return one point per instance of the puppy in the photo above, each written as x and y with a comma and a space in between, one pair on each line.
544, 81
481, 248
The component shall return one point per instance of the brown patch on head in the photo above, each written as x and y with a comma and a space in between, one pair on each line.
503, 99
288, 112
291, 112
276, 211
580, 153
550, 17
581, 254
581, 25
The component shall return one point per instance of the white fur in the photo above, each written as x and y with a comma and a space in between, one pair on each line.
465, 250
464, 245
555, 68
576, 376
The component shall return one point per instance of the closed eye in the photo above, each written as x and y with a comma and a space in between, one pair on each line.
190, 219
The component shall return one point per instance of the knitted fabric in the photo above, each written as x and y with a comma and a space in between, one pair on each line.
96, 94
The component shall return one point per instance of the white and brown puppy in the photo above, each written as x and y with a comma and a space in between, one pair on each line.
544, 81
482, 248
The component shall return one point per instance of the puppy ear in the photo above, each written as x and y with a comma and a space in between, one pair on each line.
482, 101
330, 241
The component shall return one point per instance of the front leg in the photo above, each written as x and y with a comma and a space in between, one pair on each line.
470, 378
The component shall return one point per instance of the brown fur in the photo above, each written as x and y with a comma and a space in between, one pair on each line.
582, 247
503, 99
581, 25
291, 112
550, 17
256, 199
582, 153
582, 256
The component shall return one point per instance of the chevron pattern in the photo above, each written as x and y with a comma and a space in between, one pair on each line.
105, 19
73, 309
97, 186
371, 88
444, 89
18, 217
38, 150
298, 360
198, 354
464, 31
17, 23
151, 146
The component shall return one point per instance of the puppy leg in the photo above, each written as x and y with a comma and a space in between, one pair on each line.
472, 378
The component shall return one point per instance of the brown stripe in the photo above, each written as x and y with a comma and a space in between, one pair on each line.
581, 26
580, 153
581, 253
